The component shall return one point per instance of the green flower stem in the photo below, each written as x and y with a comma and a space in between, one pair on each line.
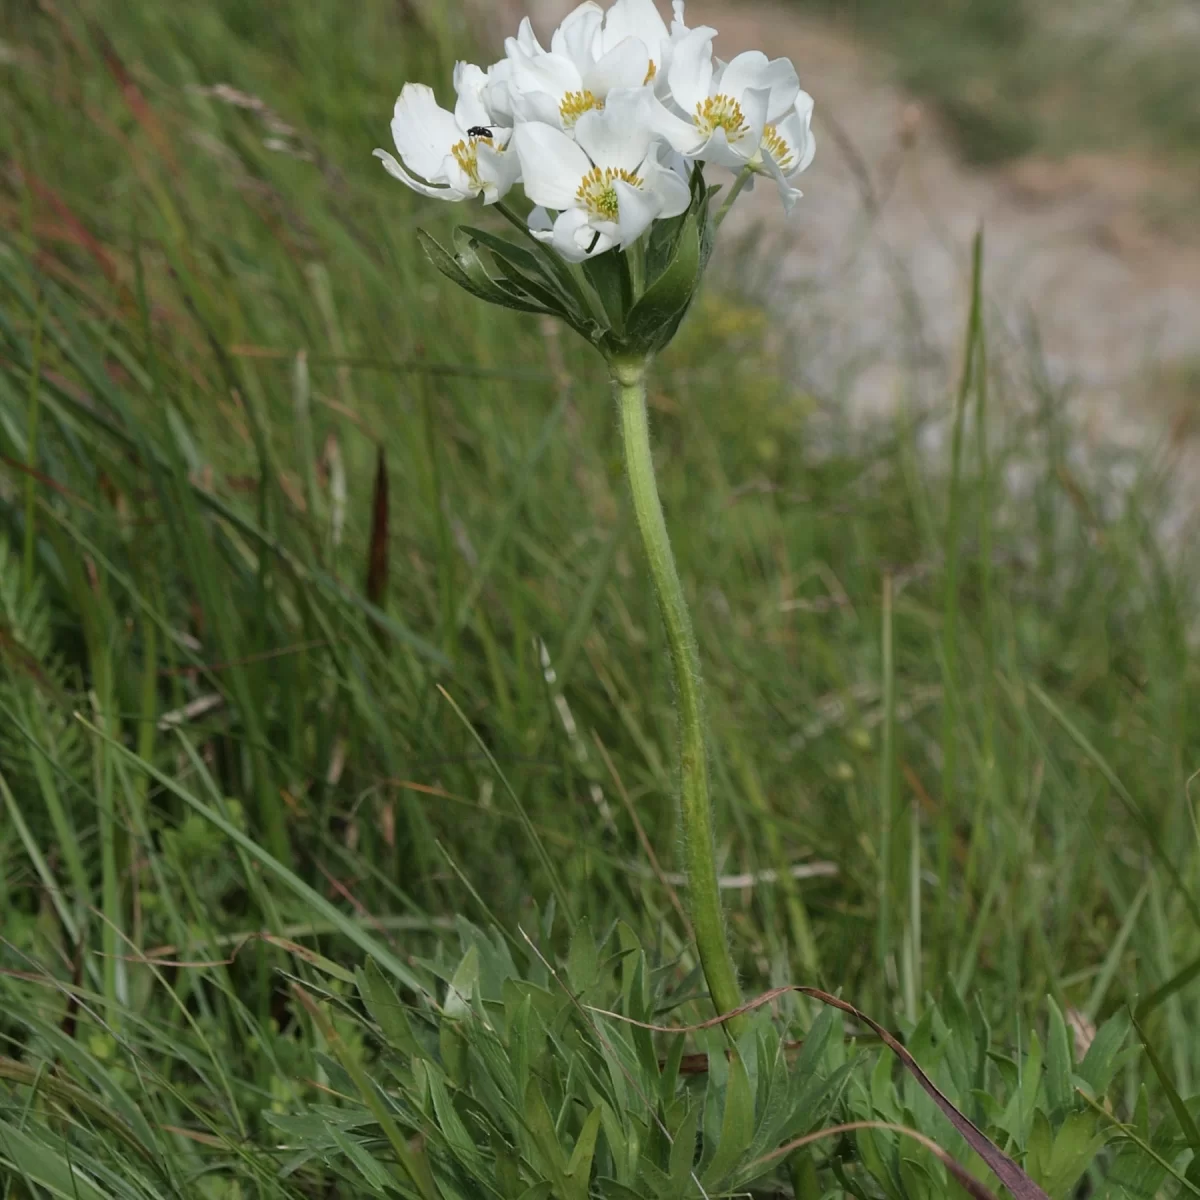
746, 174
629, 385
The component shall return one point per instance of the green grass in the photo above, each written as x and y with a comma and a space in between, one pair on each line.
218, 722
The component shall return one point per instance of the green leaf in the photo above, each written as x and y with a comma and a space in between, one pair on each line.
683, 1153
386, 1010
1075, 1146
453, 1044
656, 316
369, 1168
608, 274
479, 284
1165, 991
1038, 1147
579, 1168
802, 1169
508, 1169
540, 1125
462, 985
737, 1124
583, 965
48, 1168
1102, 1058
458, 1140
1187, 1123
520, 268
1059, 1088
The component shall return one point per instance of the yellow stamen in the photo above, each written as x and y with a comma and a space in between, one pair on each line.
466, 154
597, 193
651, 71
467, 157
722, 112
575, 104
773, 143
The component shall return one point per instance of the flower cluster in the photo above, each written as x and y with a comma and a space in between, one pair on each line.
606, 129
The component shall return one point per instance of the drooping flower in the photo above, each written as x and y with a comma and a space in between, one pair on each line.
606, 185
723, 111
788, 147
450, 155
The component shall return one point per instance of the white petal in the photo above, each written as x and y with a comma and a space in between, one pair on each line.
784, 85
394, 169
498, 170
634, 18
754, 109
575, 239
496, 93
665, 55
690, 72
619, 134
672, 192
552, 166
720, 153
675, 162
679, 134
624, 66
539, 220
636, 208
753, 70
796, 132
807, 146
550, 73
573, 38
469, 82
526, 38
422, 131
677, 14
537, 106
788, 194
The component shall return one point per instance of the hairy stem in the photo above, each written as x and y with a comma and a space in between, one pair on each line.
629, 385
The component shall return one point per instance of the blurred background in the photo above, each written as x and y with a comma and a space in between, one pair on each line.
1069, 130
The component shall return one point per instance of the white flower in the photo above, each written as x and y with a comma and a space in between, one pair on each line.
726, 110
607, 185
450, 156
488, 90
558, 87
592, 53
788, 147
496, 90
640, 19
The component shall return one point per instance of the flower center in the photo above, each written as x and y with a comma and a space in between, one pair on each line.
651, 71
575, 104
466, 154
467, 157
722, 112
597, 193
774, 144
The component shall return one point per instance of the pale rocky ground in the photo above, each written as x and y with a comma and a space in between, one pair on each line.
875, 260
